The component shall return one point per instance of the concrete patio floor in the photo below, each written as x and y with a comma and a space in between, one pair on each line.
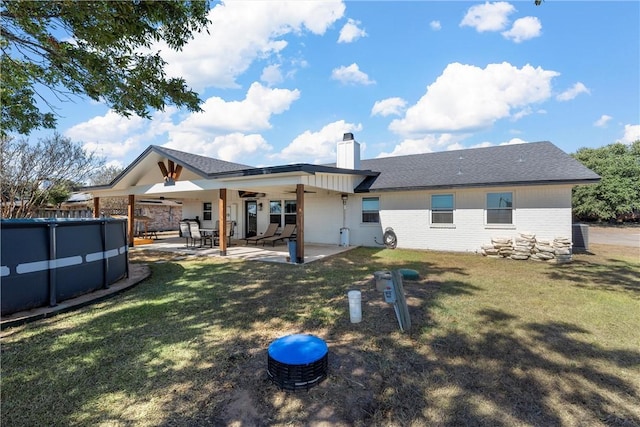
238, 249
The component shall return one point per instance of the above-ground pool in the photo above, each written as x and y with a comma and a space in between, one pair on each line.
46, 261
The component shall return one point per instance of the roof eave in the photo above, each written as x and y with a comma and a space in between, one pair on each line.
481, 185
303, 168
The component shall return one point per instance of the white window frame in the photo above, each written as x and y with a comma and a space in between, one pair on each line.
505, 208
370, 211
435, 210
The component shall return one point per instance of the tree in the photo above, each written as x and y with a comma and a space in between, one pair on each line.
105, 175
618, 192
35, 175
95, 48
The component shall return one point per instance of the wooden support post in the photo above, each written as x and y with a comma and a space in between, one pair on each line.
300, 224
96, 207
222, 221
131, 218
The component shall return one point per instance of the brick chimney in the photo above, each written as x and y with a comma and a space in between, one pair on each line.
348, 152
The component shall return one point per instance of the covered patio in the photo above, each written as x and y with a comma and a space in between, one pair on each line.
237, 249
237, 201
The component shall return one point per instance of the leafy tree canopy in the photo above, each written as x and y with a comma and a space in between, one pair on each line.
618, 193
36, 175
95, 48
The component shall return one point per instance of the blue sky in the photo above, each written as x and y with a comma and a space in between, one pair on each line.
281, 82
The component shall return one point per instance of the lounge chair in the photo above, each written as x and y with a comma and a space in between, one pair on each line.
271, 231
287, 232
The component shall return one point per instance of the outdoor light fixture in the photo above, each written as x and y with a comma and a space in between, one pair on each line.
345, 197
259, 206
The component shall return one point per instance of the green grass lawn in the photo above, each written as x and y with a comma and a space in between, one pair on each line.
494, 342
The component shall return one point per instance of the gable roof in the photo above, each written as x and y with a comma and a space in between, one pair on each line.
203, 165
518, 164
534, 163
212, 168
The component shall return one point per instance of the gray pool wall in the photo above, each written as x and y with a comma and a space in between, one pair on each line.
46, 261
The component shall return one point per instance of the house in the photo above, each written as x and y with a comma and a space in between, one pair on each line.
452, 200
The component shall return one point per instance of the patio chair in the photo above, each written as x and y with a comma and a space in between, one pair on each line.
271, 231
287, 232
194, 229
185, 231
231, 225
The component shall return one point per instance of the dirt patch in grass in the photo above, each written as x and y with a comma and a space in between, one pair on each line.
494, 342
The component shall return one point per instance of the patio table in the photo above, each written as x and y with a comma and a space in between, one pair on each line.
210, 232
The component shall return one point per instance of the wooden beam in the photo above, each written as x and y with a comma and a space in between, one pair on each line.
300, 223
222, 220
131, 218
96, 207
177, 172
163, 169
172, 167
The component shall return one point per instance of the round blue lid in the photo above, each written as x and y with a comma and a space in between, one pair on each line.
298, 349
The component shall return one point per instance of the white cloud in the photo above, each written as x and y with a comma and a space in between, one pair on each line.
488, 16
521, 113
466, 97
241, 32
631, 134
351, 32
319, 146
602, 121
271, 75
117, 126
514, 141
224, 130
435, 25
389, 106
233, 147
251, 114
440, 142
115, 136
351, 74
524, 29
426, 144
572, 92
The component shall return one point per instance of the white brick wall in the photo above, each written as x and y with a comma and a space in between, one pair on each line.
543, 210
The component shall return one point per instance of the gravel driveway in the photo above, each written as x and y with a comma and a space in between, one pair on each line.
628, 236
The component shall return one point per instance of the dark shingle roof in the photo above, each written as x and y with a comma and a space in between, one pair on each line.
206, 165
519, 164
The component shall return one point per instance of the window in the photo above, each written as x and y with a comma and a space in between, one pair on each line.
499, 208
442, 209
275, 212
290, 211
371, 210
280, 217
206, 211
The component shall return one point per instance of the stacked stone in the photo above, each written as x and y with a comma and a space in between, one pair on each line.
504, 246
562, 246
490, 251
523, 246
543, 251
526, 246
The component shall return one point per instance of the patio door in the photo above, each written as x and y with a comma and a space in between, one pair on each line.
251, 218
